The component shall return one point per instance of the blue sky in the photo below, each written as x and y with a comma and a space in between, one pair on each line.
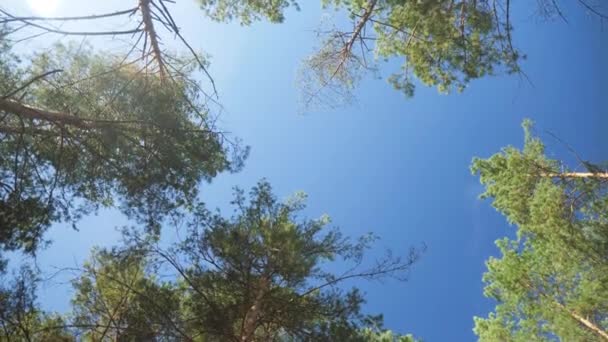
394, 166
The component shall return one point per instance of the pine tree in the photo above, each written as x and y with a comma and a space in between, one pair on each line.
551, 282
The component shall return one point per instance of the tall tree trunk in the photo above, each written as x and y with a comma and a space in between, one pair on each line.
600, 175
587, 323
253, 314
146, 13
590, 325
360, 25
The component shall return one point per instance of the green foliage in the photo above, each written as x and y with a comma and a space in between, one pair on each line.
256, 276
371, 329
551, 282
117, 299
21, 319
259, 273
248, 11
511, 176
370, 335
444, 44
100, 132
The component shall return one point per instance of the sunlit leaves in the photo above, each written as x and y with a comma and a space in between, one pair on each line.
550, 282
103, 132
444, 44
247, 12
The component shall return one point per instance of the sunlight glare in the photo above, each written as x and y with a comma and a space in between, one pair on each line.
43, 7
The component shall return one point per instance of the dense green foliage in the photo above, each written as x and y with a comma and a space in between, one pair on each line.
551, 282
441, 43
118, 299
444, 44
96, 131
256, 276
81, 129
258, 273
21, 319
247, 11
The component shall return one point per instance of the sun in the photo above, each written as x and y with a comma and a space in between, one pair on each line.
43, 7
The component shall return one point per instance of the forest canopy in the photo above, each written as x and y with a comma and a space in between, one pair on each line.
551, 280
118, 111
258, 275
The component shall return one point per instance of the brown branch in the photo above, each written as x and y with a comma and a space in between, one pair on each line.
360, 25
252, 315
146, 13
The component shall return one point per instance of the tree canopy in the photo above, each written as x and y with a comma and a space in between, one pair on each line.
247, 11
98, 132
135, 129
442, 43
551, 282
259, 275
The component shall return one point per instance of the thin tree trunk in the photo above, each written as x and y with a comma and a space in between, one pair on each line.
589, 325
253, 314
146, 13
600, 175
360, 25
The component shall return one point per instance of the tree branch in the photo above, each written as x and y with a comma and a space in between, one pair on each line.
86, 17
27, 84
146, 12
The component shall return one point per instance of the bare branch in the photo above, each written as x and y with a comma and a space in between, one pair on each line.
593, 10
69, 33
86, 17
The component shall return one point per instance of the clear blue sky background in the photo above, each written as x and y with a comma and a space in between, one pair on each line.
397, 167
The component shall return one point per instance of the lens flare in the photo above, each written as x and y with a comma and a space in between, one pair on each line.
43, 7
